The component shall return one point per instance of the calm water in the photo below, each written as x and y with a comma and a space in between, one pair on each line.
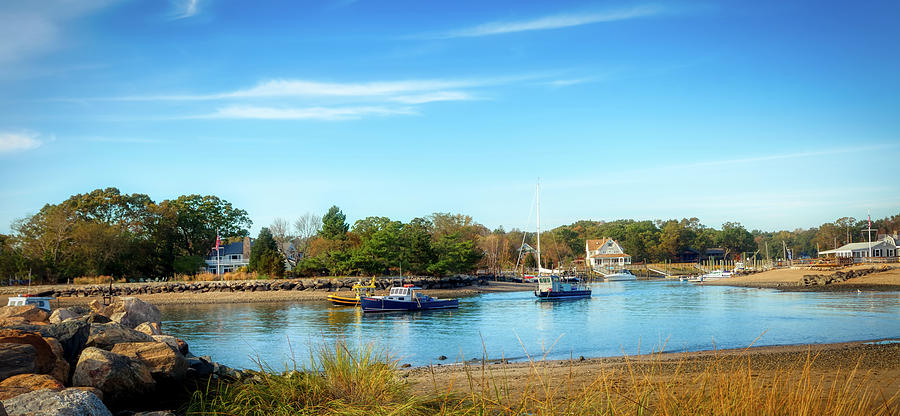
622, 317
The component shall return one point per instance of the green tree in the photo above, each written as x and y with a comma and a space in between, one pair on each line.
416, 252
334, 224
264, 255
454, 255
735, 239
198, 218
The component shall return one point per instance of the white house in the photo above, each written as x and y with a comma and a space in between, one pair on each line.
605, 254
230, 257
885, 246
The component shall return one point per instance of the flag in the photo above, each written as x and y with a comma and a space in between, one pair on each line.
218, 242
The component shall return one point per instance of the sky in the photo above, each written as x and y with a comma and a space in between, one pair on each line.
777, 115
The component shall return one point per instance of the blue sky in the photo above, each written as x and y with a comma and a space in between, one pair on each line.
774, 114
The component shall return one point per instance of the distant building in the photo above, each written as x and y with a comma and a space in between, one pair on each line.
230, 257
605, 254
885, 246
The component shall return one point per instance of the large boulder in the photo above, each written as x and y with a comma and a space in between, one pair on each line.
17, 359
61, 367
29, 313
71, 334
120, 378
129, 312
45, 360
69, 402
60, 315
163, 361
169, 340
24, 383
149, 328
106, 336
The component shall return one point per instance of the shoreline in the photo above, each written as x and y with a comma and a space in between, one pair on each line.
211, 297
878, 361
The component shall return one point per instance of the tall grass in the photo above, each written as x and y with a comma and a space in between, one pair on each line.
360, 381
96, 280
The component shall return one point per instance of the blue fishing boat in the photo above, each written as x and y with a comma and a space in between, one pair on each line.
405, 298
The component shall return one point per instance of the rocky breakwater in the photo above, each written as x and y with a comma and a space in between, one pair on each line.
88, 360
836, 277
310, 284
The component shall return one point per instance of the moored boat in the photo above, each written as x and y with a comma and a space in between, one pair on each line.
552, 287
405, 298
711, 276
620, 276
359, 291
42, 302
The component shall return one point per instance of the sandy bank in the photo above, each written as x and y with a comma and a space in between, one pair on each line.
260, 297
878, 367
790, 279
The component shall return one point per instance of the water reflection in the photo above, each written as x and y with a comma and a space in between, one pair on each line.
621, 317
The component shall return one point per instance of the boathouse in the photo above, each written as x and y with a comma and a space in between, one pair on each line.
885, 246
605, 254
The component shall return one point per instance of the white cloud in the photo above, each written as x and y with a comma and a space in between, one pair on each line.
433, 97
17, 142
552, 22
185, 8
307, 113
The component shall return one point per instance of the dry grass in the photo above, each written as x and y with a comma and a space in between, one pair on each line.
96, 280
360, 381
209, 277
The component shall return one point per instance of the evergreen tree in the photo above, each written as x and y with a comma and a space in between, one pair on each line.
264, 255
334, 224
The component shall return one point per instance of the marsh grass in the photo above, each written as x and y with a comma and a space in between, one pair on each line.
364, 381
96, 280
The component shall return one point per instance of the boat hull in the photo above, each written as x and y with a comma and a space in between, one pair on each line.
620, 278
387, 305
568, 294
344, 300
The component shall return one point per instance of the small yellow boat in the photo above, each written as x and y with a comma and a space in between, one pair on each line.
359, 291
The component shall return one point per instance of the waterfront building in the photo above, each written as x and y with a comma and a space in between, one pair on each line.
885, 246
605, 254
230, 257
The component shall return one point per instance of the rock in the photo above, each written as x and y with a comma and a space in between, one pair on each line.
29, 313
442, 358
60, 315
8, 322
69, 402
119, 377
182, 346
3, 410
71, 334
169, 340
105, 336
201, 366
149, 328
407, 365
93, 390
156, 413
44, 357
95, 318
132, 312
162, 360
24, 383
61, 367
17, 359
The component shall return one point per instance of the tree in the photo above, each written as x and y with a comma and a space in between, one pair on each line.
198, 219
307, 226
264, 255
735, 239
454, 255
334, 224
416, 252
283, 239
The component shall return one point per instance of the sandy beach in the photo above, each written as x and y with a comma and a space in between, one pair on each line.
877, 365
790, 279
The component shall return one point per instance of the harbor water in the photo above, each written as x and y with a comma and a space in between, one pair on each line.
621, 318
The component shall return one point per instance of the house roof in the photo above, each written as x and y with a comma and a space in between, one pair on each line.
595, 244
227, 249
859, 246
609, 256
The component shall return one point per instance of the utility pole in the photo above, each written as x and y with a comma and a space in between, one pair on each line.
784, 248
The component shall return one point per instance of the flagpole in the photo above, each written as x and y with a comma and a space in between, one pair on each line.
869, 229
218, 257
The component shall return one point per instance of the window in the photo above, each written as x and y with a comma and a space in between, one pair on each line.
235, 256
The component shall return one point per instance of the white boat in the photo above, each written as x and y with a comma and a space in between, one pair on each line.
553, 287
620, 276
711, 276
42, 302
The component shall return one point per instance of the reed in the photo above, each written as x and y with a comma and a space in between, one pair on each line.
96, 280
356, 381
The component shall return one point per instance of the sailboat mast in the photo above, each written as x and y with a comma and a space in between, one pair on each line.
539, 228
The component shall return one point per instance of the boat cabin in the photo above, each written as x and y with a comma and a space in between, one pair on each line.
407, 292
555, 284
41, 302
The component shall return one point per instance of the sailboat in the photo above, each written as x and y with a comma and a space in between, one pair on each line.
551, 287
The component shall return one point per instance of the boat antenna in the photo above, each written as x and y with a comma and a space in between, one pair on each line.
539, 225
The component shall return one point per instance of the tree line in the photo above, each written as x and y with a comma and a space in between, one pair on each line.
105, 232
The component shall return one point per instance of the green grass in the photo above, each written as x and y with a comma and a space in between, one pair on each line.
363, 381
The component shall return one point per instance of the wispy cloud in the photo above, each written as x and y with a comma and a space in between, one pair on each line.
182, 9
550, 22
307, 113
792, 155
433, 97
18, 142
